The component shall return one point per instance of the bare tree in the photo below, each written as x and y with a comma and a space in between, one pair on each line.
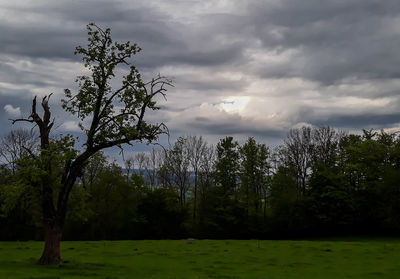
326, 141
129, 166
196, 151
15, 145
154, 163
95, 165
298, 154
175, 170
206, 176
141, 161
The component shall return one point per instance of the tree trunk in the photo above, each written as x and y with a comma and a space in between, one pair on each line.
52, 240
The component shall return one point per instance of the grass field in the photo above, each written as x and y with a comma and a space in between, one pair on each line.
348, 258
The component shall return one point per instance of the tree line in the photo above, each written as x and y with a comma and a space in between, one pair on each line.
318, 182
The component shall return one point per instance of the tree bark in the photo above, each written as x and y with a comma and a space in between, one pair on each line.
52, 239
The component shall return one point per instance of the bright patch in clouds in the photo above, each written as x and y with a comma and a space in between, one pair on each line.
235, 104
72, 126
12, 111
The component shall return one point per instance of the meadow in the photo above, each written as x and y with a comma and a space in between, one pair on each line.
225, 259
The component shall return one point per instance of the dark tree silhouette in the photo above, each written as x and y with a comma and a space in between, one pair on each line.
117, 117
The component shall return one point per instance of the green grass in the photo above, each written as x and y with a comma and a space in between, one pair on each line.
225, 259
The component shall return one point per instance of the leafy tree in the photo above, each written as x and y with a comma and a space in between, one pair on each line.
331, 200
160, 215
19, 208
227, 166
254, 174
283, 199
22, 192
112, 203
116, 117
226, 216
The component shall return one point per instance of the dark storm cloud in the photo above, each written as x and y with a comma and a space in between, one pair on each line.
333, 39
172, 109
375, 121
208, 58
350, 118
235, 125
50, 41
61, 29
293, 13
21, 77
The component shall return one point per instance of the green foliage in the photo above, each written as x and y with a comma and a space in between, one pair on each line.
283, 191
13, 195
20, 192
80, 210
117, 113
227, 164
19, 204
112, 199
254, 175
331, 198
287, 208
160, 213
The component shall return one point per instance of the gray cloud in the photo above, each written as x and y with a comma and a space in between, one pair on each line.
333, 39
373, 121
278, 62
236, 126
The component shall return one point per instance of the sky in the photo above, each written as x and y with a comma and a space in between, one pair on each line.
239, 68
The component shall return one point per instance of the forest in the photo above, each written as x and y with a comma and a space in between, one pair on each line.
319, 182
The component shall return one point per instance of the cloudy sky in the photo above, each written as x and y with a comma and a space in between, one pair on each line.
240, 68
